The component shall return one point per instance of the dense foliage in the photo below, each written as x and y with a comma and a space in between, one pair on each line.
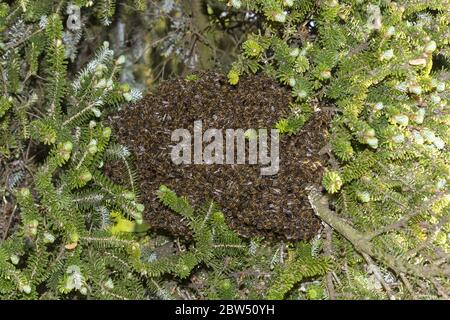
382, 67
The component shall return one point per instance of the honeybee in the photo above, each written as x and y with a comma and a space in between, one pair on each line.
307, 31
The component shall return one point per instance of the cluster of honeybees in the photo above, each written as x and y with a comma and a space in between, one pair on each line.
272, 206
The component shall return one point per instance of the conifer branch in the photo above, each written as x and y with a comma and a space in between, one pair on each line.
320, 205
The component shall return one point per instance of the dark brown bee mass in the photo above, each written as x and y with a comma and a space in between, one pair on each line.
271, 206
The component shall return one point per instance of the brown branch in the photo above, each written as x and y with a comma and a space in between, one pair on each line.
403, 220
430, 238
440, 289
379, 276
320, 206
328, 252
10, 220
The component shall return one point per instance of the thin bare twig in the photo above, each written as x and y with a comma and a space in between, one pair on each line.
320, 205
378, 276
328, 252
5, 234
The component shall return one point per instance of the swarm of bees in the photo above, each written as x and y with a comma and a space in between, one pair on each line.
271, 206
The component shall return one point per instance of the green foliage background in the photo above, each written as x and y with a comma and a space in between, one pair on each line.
381, 66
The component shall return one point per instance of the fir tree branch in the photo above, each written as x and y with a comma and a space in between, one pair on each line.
320, 204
